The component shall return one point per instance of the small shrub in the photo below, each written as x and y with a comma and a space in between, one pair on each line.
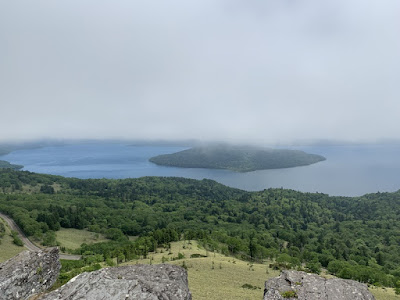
314, 267
180, 256
110, 262
250, 286
397, 288
289, 294
197, 255
16, 239
2, 230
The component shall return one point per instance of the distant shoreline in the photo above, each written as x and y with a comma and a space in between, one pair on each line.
7, 165
348, 171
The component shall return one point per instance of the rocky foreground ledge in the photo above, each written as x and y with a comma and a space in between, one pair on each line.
28, 273
31, 273
152, 282
305, 286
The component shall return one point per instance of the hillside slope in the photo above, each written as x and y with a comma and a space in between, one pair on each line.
352, 237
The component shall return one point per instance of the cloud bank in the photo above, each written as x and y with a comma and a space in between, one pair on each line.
273, 71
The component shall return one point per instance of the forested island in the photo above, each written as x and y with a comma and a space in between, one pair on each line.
352, 237
237, 158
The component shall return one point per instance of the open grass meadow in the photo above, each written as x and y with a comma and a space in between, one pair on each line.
7, 248
71, 238
384, 293
213, 276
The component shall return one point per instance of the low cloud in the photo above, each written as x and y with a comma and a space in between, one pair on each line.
268, 71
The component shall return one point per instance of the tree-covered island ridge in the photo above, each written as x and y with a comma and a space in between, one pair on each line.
237, 158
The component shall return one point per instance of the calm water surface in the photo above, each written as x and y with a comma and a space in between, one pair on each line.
348, 170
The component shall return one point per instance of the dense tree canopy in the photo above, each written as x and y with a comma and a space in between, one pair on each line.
237, 158
6, 165
353, 237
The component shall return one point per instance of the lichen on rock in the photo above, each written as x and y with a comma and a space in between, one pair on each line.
152, 282
305, 286
29, 273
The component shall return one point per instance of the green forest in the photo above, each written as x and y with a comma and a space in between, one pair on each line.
352, 237
6, 165
237, 158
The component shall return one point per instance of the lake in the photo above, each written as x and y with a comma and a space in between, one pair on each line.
348, 171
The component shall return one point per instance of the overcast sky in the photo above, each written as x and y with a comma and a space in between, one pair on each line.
275, 71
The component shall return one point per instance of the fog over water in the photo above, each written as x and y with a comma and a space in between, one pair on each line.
257, 72
253, 71
350, 170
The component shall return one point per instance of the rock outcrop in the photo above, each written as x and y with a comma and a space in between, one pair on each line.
28, 273
152, 282
33, 272
302, 286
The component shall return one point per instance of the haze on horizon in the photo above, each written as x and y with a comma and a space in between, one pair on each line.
273, 71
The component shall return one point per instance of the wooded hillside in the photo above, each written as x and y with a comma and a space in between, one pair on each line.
353, 237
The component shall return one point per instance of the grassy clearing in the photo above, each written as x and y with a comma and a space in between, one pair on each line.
73, 238
7, 248
215, 276
384, 293
211, 277
218, 277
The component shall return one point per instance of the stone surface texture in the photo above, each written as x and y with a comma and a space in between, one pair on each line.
166, 282
29, 273
314, 287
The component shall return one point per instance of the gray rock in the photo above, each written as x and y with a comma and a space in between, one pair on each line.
29, 273
166, 282
314, 287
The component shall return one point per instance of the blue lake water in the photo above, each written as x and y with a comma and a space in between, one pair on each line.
348, 170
